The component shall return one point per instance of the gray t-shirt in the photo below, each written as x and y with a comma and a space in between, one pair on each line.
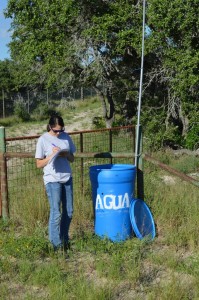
59, 170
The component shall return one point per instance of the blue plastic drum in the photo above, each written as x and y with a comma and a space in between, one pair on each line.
113, 188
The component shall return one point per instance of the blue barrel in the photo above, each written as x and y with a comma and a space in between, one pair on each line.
113, 188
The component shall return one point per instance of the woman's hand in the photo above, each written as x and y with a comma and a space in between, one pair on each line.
55, 149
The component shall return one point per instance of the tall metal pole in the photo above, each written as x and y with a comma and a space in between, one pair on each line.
137, 154
138, 148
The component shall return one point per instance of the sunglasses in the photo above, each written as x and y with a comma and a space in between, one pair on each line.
56, 131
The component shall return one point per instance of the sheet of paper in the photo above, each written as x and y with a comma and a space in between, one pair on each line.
57, 154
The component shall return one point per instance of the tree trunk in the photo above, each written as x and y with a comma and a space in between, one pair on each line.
184, 120
107, 106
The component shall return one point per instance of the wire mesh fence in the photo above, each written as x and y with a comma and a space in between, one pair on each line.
25, 184
31, 99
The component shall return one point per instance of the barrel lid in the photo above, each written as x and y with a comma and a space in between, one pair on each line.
142, 220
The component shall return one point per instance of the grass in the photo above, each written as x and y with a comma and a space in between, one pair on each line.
95, 269
182, 163
166, 268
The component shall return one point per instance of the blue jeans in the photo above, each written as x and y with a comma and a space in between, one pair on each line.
60, 197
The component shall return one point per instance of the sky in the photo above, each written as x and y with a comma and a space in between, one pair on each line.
4, 33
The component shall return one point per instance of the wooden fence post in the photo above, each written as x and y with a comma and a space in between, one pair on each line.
4, 207
82, 163
3, 99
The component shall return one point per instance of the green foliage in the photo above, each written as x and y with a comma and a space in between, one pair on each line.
43, 111
8, 121
20, 111
98, 44
156, 134
98, 122
172, 37
192, 137
6, 75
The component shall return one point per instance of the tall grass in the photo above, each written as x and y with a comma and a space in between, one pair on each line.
175, 207
166, 268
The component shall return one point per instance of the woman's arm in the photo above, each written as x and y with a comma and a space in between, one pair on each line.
40, 163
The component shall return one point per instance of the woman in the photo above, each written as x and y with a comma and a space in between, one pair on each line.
57, 177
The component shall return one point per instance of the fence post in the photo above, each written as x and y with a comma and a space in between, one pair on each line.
28, 101
0, 185
82, 162
47, 100
82, 93
3, 99
110, 144
139, 164
3, 175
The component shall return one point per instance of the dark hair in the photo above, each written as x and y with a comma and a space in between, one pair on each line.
55, 120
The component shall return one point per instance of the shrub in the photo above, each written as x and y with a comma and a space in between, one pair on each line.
157, 135
43, 112
192, 138
20, 110
98, 122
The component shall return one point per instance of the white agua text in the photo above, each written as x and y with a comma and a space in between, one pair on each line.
112, 201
